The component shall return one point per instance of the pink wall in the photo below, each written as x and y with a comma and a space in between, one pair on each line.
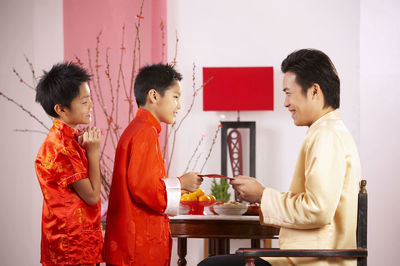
83, 21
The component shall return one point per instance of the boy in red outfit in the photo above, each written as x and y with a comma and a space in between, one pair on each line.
141, 197
67, 167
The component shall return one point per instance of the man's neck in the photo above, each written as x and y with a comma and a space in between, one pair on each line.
323, 112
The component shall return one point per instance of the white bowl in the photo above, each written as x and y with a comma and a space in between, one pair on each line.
230, 209
183, 209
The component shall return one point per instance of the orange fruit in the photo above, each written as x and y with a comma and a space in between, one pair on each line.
191, 197
184, 197
211, 198
204, 198
199, 192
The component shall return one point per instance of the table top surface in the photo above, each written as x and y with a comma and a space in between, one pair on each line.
216, 217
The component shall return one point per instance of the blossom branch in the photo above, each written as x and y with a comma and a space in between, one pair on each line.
162, 40
34, 79
30, 130
175, 129
212, 145
196, 161
166, 125
195, 151
22, 80
24, 109
136, 44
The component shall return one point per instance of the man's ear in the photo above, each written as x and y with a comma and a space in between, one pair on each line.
59, 109
316, 90
152, 96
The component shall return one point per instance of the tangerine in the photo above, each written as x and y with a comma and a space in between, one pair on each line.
204, 198
184, 197
199, 192
211, 198
191, 197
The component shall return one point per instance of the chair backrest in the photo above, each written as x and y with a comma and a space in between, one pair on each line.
362, 215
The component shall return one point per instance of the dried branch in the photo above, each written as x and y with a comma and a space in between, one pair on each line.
30, 130
196, 161
113, 103
24, 109
212, 145
120, 72
22, 80
136, 44
175, 129
174, 62
195, 151
166, 125
97, 66
162, 40
99, 97
34, 78
120, 76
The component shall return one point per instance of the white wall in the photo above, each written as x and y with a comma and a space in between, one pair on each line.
362, 39
380, 128
33, 28
261, 33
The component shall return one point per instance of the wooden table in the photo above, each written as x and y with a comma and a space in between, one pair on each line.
219, 230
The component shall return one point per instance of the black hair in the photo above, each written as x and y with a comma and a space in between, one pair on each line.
157, 76
60, 86
313, 66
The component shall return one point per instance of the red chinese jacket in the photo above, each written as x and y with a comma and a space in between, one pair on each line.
137, 229
71, 230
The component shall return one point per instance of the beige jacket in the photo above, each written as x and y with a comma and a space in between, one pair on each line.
320, 209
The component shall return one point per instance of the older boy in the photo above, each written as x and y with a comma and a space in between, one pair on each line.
320, 209
137, 230
67, 167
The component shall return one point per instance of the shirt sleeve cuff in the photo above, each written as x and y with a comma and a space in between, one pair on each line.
173, 186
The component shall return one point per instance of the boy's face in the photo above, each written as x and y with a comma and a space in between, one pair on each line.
167, 106
81, 108
303, 107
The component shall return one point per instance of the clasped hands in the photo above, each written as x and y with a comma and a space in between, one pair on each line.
247, 188
90, 138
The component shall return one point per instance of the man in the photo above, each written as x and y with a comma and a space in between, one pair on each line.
320, 209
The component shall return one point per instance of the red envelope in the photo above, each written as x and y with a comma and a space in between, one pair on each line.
217, 176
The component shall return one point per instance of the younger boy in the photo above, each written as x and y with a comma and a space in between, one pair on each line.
67, 167
137, 230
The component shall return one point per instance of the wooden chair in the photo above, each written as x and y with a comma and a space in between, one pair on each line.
360, 253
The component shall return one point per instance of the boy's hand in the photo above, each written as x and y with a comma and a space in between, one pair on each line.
90, 139
247, 188
191, 181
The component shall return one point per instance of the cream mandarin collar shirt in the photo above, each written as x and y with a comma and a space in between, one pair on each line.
320, 209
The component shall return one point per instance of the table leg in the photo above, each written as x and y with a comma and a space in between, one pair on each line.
218, 246
182, 249
255, 243
267, 243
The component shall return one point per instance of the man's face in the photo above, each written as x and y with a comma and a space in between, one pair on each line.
80, 109
301, 106
168, 105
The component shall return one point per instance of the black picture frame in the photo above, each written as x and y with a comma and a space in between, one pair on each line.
226, 125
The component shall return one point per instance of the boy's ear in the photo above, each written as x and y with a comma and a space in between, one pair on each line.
152, 96
59, 109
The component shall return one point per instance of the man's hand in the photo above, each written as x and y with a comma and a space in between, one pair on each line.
247, 188
90, 139
191, 181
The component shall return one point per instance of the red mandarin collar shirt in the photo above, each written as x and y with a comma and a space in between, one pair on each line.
137, 229
71, 230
